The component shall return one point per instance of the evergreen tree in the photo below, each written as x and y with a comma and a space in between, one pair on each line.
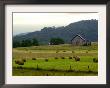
26, 43
56, 41
16, 44
35, 42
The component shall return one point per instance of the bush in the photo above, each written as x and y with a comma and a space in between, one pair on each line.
33, 58
46, 60
62, 57
95, 60
70, 57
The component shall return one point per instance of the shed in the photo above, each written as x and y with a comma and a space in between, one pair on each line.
79, 40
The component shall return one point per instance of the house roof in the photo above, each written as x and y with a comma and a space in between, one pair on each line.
78, 36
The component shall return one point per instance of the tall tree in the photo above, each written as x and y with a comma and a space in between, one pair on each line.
35, 42
56, 41
26, 43
16, 44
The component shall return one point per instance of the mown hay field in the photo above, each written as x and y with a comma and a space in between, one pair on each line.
54, 60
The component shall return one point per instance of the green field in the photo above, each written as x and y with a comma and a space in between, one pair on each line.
49, 61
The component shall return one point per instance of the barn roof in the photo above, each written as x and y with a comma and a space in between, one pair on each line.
79, 36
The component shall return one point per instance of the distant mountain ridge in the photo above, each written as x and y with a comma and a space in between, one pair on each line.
21, 34
86, 28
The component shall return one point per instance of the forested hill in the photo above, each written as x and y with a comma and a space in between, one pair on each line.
86, 28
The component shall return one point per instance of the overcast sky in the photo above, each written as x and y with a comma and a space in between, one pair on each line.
29, 22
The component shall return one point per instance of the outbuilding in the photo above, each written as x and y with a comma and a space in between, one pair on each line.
79, 40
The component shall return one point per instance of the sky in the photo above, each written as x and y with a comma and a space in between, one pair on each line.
29, 22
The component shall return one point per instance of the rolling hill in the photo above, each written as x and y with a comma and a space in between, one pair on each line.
86, 28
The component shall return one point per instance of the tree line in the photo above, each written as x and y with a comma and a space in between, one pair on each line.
25, 43
34, 42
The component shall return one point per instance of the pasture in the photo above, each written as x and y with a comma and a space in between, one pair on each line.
55, 60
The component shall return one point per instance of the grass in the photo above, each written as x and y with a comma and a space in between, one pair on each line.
50, 55
59, 47
56, 67
27, 72
60, 64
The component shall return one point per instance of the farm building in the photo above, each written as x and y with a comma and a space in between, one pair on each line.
79, 40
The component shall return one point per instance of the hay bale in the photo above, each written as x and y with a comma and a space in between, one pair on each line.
76, 58
19, 62
62, 57
57, 51
86, 51
24, 60
70, 57
56, 57
73, 52
46, 60
33, 58
16, 61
